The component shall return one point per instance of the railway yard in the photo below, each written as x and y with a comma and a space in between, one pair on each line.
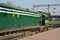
18, 34
25, 24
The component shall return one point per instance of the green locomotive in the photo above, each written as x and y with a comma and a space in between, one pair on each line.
11, 18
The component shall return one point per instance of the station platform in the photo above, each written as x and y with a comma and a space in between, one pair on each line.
48, 35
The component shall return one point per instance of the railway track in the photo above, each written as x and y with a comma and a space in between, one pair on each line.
15, 34
18, 33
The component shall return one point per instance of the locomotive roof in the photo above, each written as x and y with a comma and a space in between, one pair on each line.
12, 9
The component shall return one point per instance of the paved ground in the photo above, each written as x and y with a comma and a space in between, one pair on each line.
48, 35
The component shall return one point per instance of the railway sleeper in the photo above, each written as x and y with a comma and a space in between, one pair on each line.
12, 36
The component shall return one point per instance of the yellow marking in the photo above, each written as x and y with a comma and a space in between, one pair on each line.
13, 14
18, 15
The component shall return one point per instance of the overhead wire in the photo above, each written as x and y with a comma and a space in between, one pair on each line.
23, 2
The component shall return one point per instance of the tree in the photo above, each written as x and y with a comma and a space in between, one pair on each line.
9, 4
27, 9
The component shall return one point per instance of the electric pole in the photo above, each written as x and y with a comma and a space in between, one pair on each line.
45, 5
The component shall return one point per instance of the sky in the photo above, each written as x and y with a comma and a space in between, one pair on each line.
29, 3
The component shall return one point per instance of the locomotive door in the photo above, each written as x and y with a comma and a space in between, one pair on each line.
42, 20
